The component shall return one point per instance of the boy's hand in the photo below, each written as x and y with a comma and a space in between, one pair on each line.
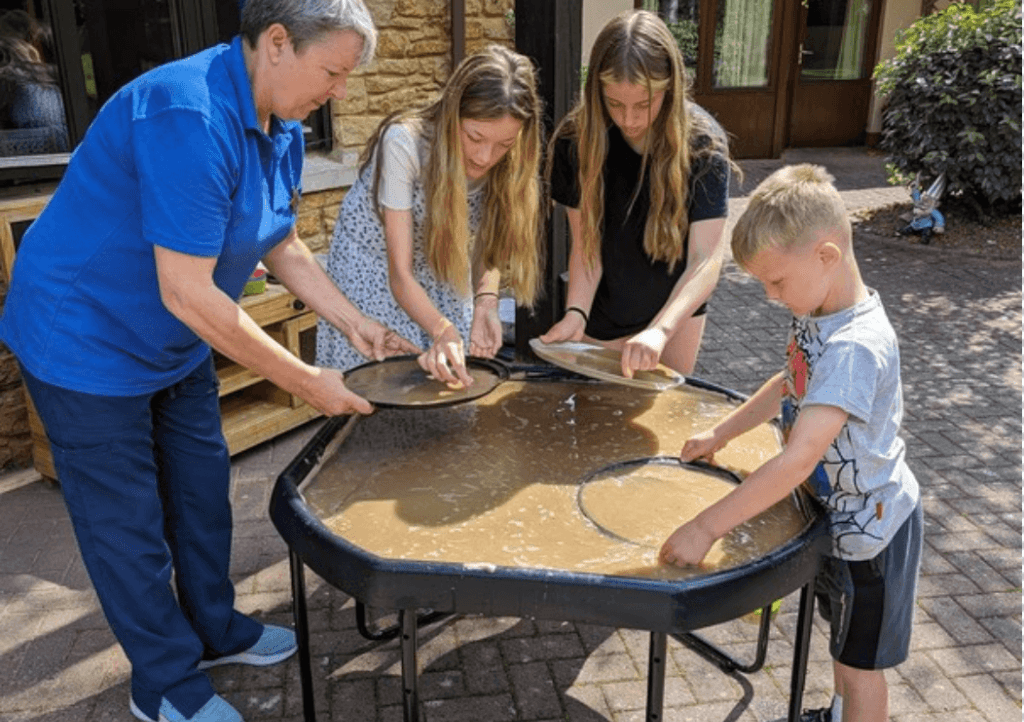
702, 446
687, 545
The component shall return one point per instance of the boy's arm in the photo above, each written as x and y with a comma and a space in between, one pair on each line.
756, 410
815, 429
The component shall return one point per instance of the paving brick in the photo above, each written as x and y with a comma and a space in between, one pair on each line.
534, 691
1001, 558
496, 708
932, 684
942, 585
970, 659
969, 715
528, 649
980, 606
585, 703
963, 541
1008, 631
597, 668
989, 698
956, 621
981, 573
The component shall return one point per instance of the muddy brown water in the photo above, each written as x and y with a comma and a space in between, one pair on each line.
495, 482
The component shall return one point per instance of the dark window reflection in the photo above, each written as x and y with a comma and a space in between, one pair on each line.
110, 41
32, 118
120, 40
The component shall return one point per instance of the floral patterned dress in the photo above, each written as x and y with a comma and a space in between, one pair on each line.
358, 265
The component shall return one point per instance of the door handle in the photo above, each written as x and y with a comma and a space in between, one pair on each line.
801, 53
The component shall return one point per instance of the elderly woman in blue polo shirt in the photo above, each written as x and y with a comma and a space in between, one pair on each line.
187, 178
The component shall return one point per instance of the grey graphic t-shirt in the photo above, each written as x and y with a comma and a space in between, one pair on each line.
850, 360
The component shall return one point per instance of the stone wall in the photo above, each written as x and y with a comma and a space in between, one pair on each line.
413, 61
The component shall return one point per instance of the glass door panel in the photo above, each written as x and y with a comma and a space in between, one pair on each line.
742, 43
833, 47
683, 20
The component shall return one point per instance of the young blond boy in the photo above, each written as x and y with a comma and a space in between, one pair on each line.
841, 404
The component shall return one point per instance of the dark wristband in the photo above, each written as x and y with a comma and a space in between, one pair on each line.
580, 311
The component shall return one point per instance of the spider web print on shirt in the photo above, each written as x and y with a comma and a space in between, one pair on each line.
850, 516
835, 479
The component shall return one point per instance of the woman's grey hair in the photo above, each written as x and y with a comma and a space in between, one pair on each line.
309, 20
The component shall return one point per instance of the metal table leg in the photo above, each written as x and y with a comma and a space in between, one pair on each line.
302, 635
722, 660
410, 693
801, 649
656, 676
386, 633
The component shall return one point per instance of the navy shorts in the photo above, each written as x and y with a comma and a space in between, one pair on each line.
870, 604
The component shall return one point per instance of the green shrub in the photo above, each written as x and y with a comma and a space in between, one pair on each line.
954, 103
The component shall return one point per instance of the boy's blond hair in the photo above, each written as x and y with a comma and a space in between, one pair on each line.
785, 208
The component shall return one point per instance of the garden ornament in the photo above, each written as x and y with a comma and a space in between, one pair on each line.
926, 218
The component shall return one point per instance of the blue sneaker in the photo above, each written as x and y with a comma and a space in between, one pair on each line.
276, 644
216, 710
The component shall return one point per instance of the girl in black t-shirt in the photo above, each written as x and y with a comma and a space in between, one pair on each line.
644, 175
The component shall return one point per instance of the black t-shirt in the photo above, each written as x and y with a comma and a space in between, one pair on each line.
633, 288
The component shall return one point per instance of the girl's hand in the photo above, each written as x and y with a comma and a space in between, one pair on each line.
702, 446
687, 545
445, 360
485, 334
570, 328
376, 341
642, 352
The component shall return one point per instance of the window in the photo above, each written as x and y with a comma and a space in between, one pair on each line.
834, 47
742, 43
66, 57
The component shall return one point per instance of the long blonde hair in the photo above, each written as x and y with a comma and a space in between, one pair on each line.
493, 83
636, 47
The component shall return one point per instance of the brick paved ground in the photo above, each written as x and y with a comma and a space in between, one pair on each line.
959, 320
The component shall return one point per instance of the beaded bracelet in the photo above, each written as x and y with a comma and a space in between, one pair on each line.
580, 311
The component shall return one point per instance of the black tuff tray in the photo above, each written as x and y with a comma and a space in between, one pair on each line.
650, 604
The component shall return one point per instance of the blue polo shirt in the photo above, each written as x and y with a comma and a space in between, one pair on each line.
175, 159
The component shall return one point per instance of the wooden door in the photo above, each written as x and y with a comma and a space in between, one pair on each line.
736, 73
831, 68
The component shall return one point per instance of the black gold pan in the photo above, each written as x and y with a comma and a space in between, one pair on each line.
399, 383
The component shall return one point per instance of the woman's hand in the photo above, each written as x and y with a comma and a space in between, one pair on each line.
687, 545
328, 395
485, 335
702, 446
643, 351
570, 328
376, 341
445, 360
